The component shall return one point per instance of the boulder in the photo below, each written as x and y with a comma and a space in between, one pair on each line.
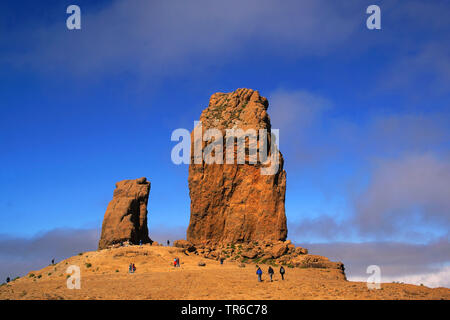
185, 245
300, 250
250, 254
278, 249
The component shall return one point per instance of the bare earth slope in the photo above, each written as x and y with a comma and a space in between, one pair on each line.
156, 278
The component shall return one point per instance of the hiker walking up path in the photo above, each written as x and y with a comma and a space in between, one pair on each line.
259, 273
282, 272
270, 271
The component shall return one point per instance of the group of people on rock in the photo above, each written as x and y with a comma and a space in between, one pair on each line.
270, 272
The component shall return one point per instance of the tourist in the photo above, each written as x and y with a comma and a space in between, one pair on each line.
282, 272
259, 273
134, 268
175, 262
221, 260
168, 243
130, 268
178, 262
140, 242
270, 271
7, 280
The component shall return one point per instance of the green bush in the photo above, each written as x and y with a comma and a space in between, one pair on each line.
88, 265
31, 275
39, 276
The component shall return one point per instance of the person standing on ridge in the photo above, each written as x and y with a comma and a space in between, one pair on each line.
282, 271
168, 243
259, 273
270, 271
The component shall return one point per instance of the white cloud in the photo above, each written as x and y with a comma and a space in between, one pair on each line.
158, 37
406, 194
426, 263
436, 279
294, 111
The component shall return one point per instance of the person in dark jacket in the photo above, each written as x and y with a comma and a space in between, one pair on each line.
8, 280
270, 271
282, 271
259, 273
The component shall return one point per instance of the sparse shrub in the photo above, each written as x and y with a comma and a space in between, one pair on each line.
49, 274
31, 275
117, 270
39, 276
233, 246
15, 278
80, 254
67, 276
290, 265
88, 265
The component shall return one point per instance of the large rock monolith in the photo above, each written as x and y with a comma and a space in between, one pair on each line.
232, 203
126, 216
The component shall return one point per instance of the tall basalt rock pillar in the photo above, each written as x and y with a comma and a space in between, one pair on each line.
126, 216
232, 203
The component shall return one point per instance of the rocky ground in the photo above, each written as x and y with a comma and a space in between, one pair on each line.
104, 275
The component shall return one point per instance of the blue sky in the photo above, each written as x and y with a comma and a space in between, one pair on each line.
363, 114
